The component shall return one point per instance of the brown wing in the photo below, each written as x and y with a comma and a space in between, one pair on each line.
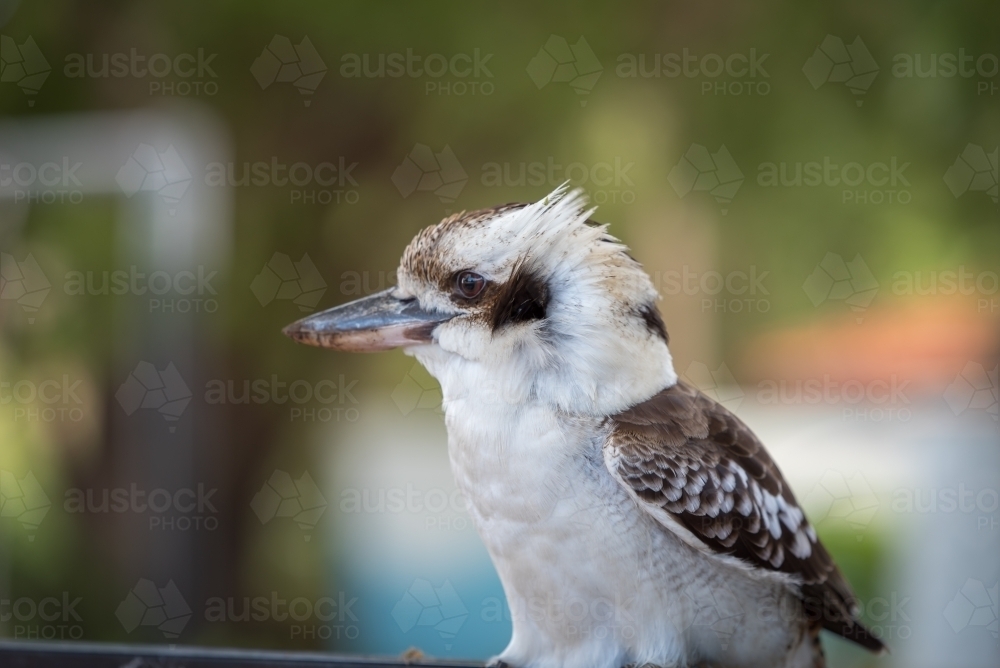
683, 453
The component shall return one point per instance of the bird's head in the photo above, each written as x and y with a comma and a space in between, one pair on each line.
522, 301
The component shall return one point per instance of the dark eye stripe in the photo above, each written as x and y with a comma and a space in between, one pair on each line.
654, 321
524, 297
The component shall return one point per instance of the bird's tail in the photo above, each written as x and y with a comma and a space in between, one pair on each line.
857, 632
830, 606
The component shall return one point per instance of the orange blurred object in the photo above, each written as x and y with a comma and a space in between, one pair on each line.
926, 341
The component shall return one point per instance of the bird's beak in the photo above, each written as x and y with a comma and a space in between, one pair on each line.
377, 322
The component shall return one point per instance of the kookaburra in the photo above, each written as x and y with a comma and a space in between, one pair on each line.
632, 520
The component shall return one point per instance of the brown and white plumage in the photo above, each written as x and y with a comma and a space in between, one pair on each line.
631, 519
691, 462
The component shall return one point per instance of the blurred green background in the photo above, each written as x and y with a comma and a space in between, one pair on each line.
655, 110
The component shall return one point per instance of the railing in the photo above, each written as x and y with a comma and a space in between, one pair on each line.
17, 654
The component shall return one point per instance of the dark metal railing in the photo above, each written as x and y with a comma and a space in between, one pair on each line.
17, 654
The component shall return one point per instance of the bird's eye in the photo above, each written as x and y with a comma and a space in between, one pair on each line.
469, 284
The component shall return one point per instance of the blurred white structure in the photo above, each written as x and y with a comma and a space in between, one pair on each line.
169, 221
